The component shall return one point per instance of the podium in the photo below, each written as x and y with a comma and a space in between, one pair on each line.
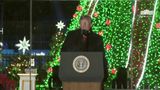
81, 70
26, 80
82, 86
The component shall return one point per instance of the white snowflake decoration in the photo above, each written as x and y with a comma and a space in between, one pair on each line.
23, 45
1, 44
60, 25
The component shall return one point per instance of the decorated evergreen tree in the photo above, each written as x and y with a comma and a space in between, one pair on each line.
18, 65
53, 64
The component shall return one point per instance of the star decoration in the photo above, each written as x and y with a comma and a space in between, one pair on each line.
60, 25
108, 22
114, 71
74, 15
23, 45
50, 70
158, 25
96, 14
1, 44
79, 8
100, 33
108, 47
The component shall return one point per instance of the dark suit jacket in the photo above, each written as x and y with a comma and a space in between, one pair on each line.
74, 43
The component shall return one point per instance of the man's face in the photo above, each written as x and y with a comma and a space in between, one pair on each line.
85, 24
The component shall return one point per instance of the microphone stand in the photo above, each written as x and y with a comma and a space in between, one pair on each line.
87, 42
86, 34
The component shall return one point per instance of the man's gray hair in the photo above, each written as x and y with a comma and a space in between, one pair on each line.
86, 17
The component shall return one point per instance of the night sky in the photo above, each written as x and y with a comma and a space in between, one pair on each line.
45, 15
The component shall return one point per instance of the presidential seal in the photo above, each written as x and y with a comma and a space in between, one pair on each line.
81, 64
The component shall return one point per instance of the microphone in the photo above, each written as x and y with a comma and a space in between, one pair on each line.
85, 32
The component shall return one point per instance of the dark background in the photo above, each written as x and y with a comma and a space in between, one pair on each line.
45, 16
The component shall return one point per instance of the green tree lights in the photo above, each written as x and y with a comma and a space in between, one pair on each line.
152, 71
57, 41
114, 21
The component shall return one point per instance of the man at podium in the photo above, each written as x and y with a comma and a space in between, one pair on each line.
85, 40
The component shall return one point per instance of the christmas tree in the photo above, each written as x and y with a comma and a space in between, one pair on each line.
53, 64
18, 65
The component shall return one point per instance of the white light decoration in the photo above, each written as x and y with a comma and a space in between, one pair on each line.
90, 4
133, 20
1, 44
32, 62
94, 8
23, 45
147, 12
60, 25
